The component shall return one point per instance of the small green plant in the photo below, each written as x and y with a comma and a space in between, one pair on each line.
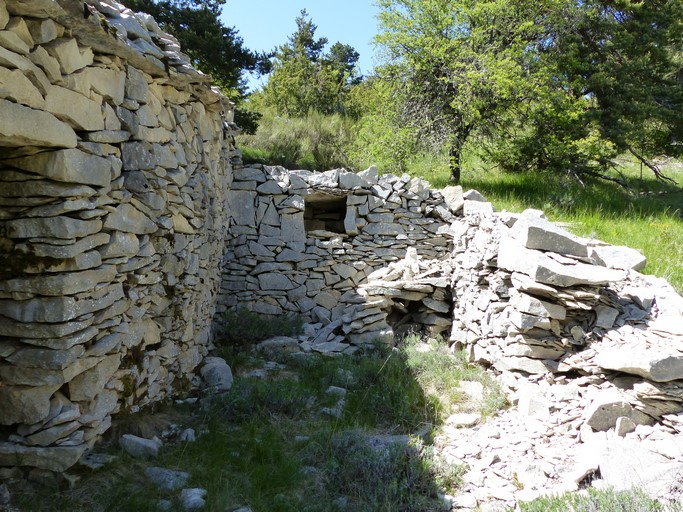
242, 327
594, 500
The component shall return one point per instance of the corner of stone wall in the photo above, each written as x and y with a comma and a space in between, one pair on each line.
115, 163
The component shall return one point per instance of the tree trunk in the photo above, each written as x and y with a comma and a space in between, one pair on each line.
454, 158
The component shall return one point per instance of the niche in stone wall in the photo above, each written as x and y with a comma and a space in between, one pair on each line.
325, 212
428, 316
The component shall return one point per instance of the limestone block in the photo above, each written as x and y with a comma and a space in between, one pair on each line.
181, 225
616, 256
525, 364
53, 434
60, 309
325, 299
43, 31
606, 316
136, 87
4, 15
270, 187
471, 207
383, 228
80, 112
327, 179
216, 374
109, 83
381, 217
653, 364
12, 41
129, 219
351, 220
535, 232
350, 180
20, 28
35, 8
513, 256
453, 198
250, 174
533, 306
90, 383
18, 375
24, 404
24, 126
65, 251
45, 358
68, 165
242, 207
419, 187
370, 175
47, 63
139, 447
15, 86
60, 284
56, 227
604, 411
54, 458
274, 281
69, 56
293, 229
121, 244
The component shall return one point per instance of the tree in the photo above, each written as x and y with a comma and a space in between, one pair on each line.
457, 66
625, 56
559, 83
214, 48
305, 78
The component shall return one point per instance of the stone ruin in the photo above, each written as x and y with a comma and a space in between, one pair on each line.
114, 167
312, 244
126, 232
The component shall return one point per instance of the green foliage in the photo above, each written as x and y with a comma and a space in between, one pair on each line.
395, 477
304, 78
315, 141
593, 501
241, 326
559, 85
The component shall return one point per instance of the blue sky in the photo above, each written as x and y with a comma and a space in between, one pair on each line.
265, 24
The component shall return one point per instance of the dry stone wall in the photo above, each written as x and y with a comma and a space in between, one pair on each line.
304, 243
114, 163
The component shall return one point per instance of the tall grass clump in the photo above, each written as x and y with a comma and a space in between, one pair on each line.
317, 142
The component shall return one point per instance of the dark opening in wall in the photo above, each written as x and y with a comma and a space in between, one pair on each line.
414, 317
325, 212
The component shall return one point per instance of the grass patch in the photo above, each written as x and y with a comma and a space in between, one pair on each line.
593, 500
270, 445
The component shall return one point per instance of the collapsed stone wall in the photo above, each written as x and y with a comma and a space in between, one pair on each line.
114, 164
303, 242
531, 299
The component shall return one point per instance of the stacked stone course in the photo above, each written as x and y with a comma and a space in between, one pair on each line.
283, 256
114, 165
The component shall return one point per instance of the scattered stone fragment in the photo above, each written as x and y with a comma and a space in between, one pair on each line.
167, 479
139, 447
193, 498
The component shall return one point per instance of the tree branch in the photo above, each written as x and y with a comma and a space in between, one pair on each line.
658, 174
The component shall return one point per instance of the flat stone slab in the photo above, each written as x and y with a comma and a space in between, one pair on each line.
651, 364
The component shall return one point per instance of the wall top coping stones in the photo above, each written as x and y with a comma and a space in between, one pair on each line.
109, 28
